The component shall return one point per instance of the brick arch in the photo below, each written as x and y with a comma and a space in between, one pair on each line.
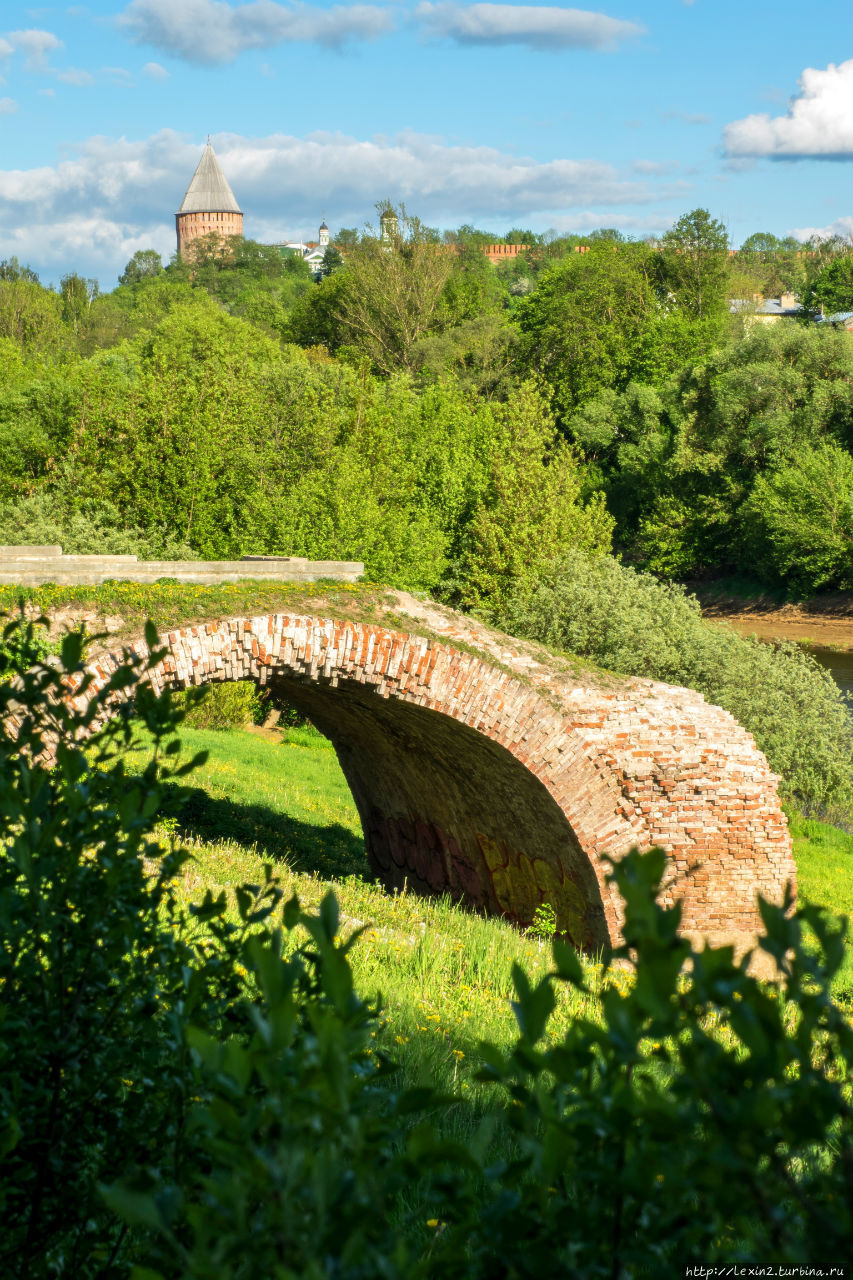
508, 791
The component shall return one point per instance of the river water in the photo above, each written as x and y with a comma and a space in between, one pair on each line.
840, 665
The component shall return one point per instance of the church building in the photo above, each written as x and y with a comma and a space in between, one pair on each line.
209, 206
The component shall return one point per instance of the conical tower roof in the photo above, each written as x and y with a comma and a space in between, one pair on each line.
209, 191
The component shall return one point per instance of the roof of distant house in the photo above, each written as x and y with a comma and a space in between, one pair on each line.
837, 317
769, 307
209, 191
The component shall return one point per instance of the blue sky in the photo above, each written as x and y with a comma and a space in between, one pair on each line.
625, 114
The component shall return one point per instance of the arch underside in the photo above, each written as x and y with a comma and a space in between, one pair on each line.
445, 809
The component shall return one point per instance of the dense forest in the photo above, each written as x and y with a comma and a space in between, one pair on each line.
452, 423
557, 442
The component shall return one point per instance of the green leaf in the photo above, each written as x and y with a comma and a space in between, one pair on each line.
137, 1208
567, 962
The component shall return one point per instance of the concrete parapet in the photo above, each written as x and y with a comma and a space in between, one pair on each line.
33, 566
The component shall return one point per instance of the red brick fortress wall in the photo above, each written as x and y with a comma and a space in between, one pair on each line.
508, 791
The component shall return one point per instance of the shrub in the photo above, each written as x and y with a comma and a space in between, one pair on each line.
230, 705
700, 1119
633, 624
49, 517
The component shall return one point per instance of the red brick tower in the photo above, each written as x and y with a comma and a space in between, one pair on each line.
208, 206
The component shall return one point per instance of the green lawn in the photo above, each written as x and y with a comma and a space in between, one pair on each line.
445, 973
824, 857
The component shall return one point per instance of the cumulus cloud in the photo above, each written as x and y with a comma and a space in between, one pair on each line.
540, 27
35, 45
8, 106
210, 31
125, 192
842, 227
818, 122
631, 224
154, 71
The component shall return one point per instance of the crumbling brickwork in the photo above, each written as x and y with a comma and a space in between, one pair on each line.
512, 787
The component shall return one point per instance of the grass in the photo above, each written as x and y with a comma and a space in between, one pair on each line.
824, 858
444, 973
172, 604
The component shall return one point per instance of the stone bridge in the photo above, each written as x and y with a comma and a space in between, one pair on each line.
504, 779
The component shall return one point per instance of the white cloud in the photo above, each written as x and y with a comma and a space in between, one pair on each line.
840, 227
47, 93
652, 224
75, 76
541, 27
154, 71
818, 122
6, 49
8, 106
126, 191
210, 31
35, 45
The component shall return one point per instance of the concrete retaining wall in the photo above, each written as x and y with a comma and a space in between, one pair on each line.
32, 566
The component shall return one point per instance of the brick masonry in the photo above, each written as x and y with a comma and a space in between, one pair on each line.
510, 784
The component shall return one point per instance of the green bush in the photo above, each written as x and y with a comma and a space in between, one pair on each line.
633, 624
96, 528
191, 1098
230, 705
703, 1119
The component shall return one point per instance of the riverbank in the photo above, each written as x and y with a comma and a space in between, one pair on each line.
825, 621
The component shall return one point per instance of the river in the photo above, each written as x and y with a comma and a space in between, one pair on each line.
839, 664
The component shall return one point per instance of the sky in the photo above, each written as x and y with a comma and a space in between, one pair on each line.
533, 115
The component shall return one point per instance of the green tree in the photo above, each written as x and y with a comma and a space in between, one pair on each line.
532, 510
144, 264
695, 253
77, 295
393, 293
30, 315
583, 327
800, 517
332, 260
11, 269
832, 287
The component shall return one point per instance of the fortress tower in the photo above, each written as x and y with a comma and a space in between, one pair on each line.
208, 206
